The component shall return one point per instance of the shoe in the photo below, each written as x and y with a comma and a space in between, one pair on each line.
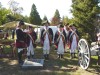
32, 56
71, 56
21, 62
74, 55
47, 56
28, 57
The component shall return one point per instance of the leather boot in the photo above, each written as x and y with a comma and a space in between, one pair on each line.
47, 57
61, 55
28, 57
20, 57
71, 55
32, 56
74, 55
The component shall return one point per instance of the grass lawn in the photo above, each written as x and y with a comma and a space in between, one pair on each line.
54, 66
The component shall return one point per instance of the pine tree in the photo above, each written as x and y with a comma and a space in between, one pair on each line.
34, 16
56, 19
45, 18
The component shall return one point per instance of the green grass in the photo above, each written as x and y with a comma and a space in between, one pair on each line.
53, 66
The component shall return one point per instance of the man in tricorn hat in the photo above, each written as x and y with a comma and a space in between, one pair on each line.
73, 40
20, 40
46, 39
59, 40
66, 28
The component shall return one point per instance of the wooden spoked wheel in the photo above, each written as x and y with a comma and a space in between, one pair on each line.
83, 54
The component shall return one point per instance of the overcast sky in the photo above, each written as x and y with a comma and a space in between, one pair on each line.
44, 7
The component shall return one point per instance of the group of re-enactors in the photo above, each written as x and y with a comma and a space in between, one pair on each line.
65, 36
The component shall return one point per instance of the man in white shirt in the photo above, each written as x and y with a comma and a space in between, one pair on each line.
46, 39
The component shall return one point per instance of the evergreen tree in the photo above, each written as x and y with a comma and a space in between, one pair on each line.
34, 16
45, 18
56, 19
84, 12
26, 19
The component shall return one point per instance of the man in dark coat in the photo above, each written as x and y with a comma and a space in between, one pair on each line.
66, 28
20, 41
73, 40
46, 39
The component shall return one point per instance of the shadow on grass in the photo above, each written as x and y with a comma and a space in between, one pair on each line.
93, 65
53, 66
10, 67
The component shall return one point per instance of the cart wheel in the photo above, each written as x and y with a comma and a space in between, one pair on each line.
83, 54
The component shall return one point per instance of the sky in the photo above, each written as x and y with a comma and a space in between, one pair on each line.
44, 7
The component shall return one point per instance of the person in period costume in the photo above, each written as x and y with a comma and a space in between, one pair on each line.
20, 41
66, 28
59, 40
46, 39
13, 33
73, 40
6, 35
26, 30
98, 38
31, 40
